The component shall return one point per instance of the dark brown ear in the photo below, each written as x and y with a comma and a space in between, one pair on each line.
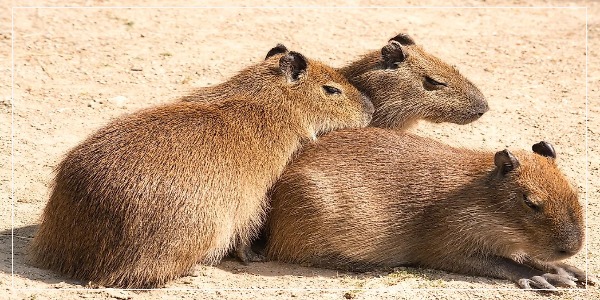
392, 54
293, 65
544, 149
403, 39
280, 48
505, 161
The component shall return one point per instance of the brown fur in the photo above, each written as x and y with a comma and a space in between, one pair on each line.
366, 198
396, 84
395, 80
143, 199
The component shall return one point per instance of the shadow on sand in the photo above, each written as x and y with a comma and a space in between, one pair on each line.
13, 254
22, 267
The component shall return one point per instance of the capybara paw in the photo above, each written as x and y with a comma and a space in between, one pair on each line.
536, 282
255, 257
590, 280
576, 273
247, 255
548, 282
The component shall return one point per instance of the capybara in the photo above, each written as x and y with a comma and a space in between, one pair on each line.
405, 83
145, 198
366, 198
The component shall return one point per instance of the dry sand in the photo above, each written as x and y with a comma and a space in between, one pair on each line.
75, 70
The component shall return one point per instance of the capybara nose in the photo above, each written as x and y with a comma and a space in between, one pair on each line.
570, 244
484, 108
567, 252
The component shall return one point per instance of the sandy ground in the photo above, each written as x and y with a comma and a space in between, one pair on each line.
74, 71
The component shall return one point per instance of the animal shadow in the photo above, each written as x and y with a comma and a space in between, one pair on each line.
14, 257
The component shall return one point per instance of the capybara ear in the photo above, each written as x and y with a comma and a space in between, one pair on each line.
392, 54
280, 48
544, 149
404, 39
505, 161
293, 65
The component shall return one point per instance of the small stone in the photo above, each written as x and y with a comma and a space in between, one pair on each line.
60, 285
136, 69
118, 101
116, 294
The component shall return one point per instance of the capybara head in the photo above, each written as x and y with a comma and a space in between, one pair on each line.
316, 88
543, 207
410, 84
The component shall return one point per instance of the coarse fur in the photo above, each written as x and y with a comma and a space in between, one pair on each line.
404, 82
144, 199
367, 198
407, 84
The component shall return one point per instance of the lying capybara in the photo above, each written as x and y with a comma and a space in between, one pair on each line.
366, 198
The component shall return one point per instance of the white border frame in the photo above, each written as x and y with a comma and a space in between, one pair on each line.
12, 192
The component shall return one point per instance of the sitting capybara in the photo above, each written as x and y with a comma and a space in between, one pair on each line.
144, 199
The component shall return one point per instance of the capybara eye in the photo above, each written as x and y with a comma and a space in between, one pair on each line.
331, 90
434, 82
530, 203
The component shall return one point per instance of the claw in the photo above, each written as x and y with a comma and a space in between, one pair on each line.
590, 280
535, 283
541, 283
563, 272
561, 280
559, 274
524, 283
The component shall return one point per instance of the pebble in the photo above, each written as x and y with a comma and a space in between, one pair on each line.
94, 103
60, 285
116, 294
118, 101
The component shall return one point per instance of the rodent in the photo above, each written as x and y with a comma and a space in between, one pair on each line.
404, 82
368, 198
407, 84
145, 198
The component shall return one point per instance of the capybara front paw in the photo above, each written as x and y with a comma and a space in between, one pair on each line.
247, 255
548, 281
579, 275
